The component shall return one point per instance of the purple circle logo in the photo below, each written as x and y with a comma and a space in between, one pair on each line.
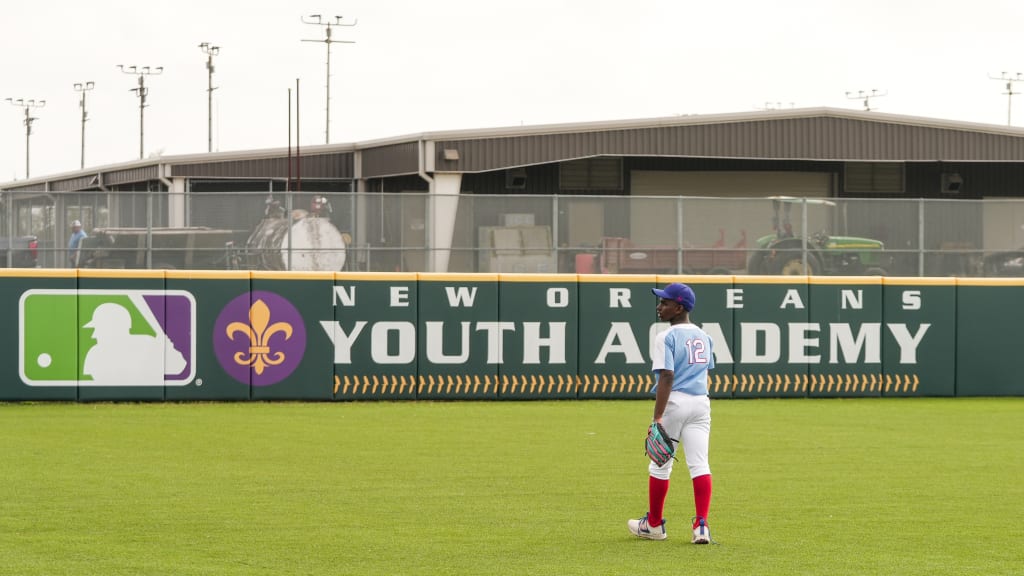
259, 338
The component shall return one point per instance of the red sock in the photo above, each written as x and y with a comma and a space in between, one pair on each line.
702, 495
657, 490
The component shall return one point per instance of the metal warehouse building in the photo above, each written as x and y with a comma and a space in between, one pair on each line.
811, 153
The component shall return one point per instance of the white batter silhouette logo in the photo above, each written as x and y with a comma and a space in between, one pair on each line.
107, 337
121, 358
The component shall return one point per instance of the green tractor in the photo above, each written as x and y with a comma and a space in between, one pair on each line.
782, 252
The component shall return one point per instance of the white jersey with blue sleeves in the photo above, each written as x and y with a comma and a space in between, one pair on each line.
688, 352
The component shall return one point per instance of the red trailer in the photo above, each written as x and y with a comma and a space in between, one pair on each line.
621, 256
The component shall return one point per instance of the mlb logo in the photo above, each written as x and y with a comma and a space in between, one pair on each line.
107, 337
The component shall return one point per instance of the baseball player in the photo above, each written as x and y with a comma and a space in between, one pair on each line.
683, 355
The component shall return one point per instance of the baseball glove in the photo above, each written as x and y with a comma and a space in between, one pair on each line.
659, 446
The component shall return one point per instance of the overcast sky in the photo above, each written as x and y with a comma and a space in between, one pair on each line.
451, 64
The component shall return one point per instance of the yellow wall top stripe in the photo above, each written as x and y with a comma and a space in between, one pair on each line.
911, 281
445, 277
375, 276
561, 278
618, 278
654, 279
695, 278
845, 280
37, 273
208, 274
990, 281
103, 273
291, 275
794, 280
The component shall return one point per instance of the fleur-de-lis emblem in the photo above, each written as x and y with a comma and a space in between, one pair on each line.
259, 330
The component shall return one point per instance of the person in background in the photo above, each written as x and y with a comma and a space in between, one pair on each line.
75, 243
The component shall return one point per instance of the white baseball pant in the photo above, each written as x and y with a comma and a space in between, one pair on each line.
688, 419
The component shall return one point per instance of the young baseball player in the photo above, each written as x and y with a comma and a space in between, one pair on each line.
682, 358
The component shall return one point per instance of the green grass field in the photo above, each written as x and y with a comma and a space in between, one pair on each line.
868, 486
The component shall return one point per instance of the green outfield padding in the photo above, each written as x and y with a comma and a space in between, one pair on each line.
373, 336
540, 320
919, 355
115, 335
617, 317
989, 337
768, 314
292, 358
844, 328
108, 350
212, 380
40, 334
457, 344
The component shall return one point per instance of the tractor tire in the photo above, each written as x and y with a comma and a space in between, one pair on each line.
791, 263
755, 265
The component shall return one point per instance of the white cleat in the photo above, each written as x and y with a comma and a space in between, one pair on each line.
701, 532
641, 529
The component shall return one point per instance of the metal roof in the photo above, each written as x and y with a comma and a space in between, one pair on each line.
795, 134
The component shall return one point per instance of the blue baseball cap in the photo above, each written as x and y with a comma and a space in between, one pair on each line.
677, 292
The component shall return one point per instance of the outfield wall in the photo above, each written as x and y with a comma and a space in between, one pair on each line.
91, 335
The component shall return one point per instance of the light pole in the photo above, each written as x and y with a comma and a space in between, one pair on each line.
316, 20
141, 92
1004, 77
866, 97
210, 52
28, 105
83, 88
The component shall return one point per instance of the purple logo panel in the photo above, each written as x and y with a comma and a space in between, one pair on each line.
259, 338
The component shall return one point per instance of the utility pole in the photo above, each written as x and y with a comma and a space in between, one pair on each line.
1004, 77
210, 52
316, 20
83, 88
141, 91
866, 97
28, 105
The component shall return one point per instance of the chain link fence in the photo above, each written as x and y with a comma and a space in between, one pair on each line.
419, 232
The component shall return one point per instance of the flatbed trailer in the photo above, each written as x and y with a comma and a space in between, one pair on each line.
621, 256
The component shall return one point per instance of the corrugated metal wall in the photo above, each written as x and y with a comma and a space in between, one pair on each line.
391, 160
339, 165
989, 158
821, 138
86, 182
132, 175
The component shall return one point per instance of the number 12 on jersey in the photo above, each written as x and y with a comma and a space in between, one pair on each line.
696, 351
